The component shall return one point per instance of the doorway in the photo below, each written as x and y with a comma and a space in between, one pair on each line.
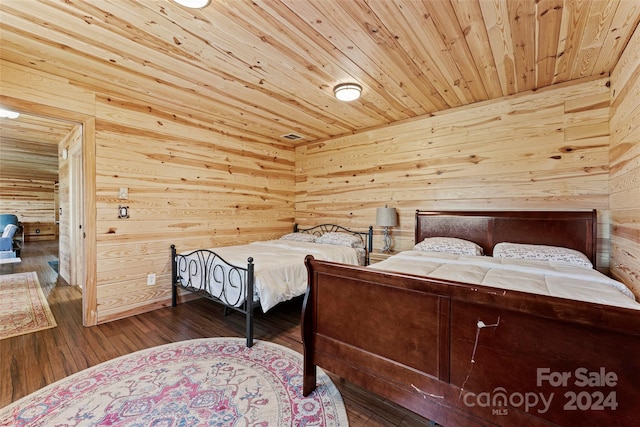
81, 156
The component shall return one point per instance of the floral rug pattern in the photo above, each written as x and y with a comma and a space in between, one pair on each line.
202, 382
23, 306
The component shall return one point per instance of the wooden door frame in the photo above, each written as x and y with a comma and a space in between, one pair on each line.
88, 254
76, 273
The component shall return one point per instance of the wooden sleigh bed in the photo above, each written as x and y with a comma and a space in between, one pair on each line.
274, 269
466, 355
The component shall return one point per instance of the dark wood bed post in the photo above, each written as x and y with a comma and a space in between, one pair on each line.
174, 277
369, 245
306, 327
249, 300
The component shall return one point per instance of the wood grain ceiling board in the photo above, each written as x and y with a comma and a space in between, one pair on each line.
29, 146
263, 69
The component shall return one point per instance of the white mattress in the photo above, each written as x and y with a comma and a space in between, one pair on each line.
279, 270
539, 277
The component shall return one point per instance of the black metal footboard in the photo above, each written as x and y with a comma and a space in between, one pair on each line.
207, 274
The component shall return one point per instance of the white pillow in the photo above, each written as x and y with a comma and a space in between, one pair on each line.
450, 245
342, 239
299, 237
9, 230
541, 252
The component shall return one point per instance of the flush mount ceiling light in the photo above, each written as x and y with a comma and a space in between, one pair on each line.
8, 114
193, 4
347, 91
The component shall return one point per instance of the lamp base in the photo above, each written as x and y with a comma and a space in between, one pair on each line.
387, 241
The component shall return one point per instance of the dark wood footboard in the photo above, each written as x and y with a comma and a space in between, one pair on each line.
203, 270
462, 355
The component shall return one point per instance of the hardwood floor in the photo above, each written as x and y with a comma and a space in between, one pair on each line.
32, 361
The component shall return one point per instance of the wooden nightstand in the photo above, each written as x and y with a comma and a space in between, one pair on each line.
379, 256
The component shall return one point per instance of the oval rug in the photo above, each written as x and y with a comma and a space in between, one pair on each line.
201, 382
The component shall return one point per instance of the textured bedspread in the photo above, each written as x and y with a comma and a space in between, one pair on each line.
279, 271
538, 277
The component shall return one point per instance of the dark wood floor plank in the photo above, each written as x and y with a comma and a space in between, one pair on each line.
62, 362
6, 385
32, 361
18, 385
38, 376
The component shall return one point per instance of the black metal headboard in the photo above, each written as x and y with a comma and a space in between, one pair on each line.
319, 230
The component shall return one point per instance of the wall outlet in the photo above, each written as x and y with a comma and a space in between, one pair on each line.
151, 279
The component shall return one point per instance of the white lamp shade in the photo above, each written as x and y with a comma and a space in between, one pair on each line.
193, 4
8, 114
347, 92
386, 217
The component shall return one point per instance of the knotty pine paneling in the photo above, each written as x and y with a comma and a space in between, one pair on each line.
30, 85
28, 173
264, 69
540, 150
625, 167
31, 200
188, 185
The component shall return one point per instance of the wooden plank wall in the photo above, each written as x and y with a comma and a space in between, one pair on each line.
188, 184
539, 150
625, 167
28, 173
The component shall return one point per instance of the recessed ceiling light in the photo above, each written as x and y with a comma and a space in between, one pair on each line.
8, 114
347, 91
193, 4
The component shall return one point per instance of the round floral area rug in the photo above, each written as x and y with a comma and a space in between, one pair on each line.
202, 382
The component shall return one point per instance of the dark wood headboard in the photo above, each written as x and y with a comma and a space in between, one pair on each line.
569, 229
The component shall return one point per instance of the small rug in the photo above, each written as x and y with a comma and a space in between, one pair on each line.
53, 264
23, 306
201, 382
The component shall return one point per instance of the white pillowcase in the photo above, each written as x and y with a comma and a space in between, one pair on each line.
341, 239
9, 230
541, 252
450, 245
300, 237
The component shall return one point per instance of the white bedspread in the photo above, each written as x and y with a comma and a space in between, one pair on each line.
279, 270
539, 277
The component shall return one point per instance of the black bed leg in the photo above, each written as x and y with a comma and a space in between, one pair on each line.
249, 304
174, 277
250, 329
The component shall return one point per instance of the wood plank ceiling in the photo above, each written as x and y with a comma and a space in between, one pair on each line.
265, 68
29, 147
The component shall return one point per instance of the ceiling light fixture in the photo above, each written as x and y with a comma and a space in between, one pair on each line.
193, 4
8, 114
347, 91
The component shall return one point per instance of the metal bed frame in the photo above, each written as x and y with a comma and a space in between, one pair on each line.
209, 267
